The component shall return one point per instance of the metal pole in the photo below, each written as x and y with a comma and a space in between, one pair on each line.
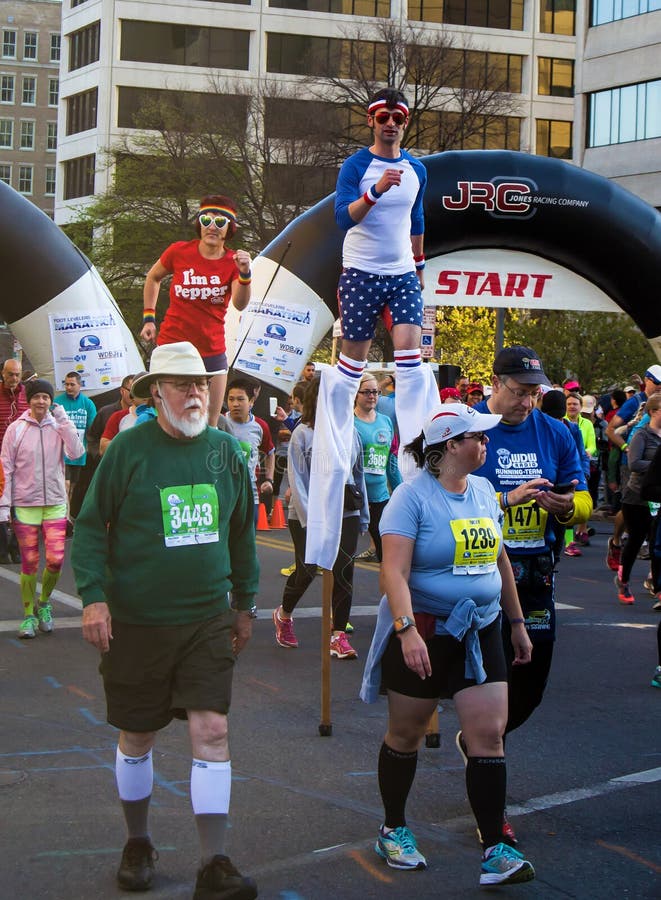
500, 329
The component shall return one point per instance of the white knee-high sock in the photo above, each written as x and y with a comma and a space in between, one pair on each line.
134, 775
210, 789
331, 460
416, 394
135, 779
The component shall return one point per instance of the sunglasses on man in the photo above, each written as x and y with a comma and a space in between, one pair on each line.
383, 116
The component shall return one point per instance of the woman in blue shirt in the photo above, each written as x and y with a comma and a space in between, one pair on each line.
438, 635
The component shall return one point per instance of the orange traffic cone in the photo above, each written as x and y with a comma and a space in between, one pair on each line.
278, 515
262, 519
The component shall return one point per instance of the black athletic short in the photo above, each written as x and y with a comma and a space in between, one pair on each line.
448, 661
153, 674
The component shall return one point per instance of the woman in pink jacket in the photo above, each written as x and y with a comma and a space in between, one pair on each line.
33, 461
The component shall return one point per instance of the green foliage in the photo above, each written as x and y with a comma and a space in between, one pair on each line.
465, 337
598, 349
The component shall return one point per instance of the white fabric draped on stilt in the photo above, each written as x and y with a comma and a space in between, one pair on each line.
416, 394
330, 466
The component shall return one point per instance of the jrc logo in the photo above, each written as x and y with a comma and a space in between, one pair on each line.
498, 197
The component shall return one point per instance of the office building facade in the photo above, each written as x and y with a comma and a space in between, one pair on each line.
29, 97
618, 98
117, 53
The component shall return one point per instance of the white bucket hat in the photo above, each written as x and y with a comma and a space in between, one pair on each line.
451, 420
181, 360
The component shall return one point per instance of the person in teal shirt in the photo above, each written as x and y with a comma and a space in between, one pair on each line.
377, 436
82, 413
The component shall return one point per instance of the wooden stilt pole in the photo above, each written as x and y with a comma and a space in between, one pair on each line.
325, 726
433, 733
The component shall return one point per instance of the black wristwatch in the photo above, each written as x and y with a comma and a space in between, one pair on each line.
403, 623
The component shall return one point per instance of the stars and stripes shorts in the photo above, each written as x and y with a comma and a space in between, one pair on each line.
362, 297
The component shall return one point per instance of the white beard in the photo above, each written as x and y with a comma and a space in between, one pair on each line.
191, 425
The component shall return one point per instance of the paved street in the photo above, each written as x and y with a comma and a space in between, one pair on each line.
584, 774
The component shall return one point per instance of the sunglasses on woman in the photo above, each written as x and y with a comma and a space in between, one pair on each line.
382, 116
206, 220
473, 436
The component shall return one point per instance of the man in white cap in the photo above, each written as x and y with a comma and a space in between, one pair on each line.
625, 416
165, 533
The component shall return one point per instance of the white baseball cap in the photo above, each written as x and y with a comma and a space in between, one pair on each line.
180, 359
654, 372
451, 420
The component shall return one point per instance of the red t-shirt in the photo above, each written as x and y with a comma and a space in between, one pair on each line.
112, 425
199, 295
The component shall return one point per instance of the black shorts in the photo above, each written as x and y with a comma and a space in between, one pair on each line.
72, 473
448, 661
153, 674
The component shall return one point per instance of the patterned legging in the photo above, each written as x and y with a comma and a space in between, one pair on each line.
54, 532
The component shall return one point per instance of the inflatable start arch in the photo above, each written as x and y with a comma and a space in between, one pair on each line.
56, 304
502, 229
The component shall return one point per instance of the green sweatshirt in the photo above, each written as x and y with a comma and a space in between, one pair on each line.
167, 528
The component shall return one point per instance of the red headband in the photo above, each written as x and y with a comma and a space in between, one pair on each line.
383, 104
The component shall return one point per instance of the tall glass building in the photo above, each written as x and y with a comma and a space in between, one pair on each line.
618, 95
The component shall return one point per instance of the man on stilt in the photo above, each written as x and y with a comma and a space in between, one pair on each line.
379, 204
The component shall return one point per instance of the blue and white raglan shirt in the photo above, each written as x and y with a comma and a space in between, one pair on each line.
378, 244
539, 447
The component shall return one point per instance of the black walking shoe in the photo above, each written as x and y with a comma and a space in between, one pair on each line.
219, 880
136, 870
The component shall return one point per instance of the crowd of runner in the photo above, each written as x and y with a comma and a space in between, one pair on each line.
470, 494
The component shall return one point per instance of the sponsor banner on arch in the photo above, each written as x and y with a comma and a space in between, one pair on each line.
509, 278
90, 344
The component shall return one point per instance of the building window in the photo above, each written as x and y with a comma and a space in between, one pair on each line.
5, 173
6, 134
84, 46
474, 69
184, 45
506, 14
557, 16
613, 10
8, 44
53, 91
51, 136
451, 131
620, 115
25, 175
299, 54
79, 177
133, 101
556, 77
379, 8
27, 135
81, 111
7, 88
30, 45
554, 138
50, 181
29, 93
75, 3
55, 47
